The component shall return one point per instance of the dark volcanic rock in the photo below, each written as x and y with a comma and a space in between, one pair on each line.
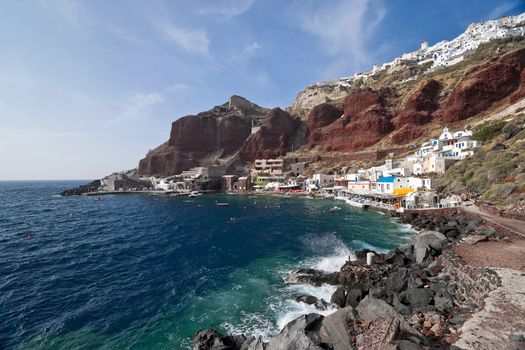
90, 187
339, 297
320, 304
353, 297
426, 242
335, 331
381, 334
420, 298
312, 276
210, 339
301, 333
272, 139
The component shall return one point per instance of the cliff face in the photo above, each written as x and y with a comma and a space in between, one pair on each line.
405, 111
484, 85
398, 106
364, 122
272, 139
321, 115
206, 139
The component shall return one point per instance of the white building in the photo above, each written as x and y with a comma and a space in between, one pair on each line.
267, 166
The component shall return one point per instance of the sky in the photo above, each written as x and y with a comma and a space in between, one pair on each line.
88, 87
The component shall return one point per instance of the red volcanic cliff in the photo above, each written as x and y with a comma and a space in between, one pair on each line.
204, 139
417, 111
364, 123
194, 139
272, 139
420, 105
209, 134
319, 117
484, 85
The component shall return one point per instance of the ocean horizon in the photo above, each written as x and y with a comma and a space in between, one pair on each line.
147, 272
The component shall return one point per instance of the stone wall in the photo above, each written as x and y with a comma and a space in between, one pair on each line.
469, 285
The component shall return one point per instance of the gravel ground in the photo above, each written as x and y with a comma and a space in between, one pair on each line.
508, 254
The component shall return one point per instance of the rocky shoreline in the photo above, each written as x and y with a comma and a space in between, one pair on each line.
414, 297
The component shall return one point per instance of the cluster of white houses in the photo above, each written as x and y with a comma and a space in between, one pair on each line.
397, 183
442, 54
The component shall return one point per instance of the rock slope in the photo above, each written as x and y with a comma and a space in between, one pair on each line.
204, 139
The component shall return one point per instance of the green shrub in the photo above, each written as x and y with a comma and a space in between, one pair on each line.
486, 131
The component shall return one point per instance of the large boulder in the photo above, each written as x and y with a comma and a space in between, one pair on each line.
300, 334
334, 329
210, 339
381, 334
253, 344
372, 309
427, 241
339, 297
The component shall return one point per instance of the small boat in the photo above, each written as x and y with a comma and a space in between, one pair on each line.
194, 194
335, 208
355, 204
222, 204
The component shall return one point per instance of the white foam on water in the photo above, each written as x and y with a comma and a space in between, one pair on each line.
335, 262
331, 250
253, 324
292, 309
363, 245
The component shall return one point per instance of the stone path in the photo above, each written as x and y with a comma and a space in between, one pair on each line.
500, 324
516, 226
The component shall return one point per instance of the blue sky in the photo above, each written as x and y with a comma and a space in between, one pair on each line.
87, 87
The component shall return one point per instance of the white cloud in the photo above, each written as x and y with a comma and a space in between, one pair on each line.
226, 8
191, 40
137, 107
243, 57
140, 102
344, 29
177, 87
500, 10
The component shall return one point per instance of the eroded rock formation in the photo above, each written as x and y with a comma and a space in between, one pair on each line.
204, 139
365, 121
272, 139
484, 85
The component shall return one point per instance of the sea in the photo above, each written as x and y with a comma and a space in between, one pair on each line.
148, 272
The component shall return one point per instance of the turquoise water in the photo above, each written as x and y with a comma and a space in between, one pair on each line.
147, 272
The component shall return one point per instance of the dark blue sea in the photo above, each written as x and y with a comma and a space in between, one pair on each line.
147, 272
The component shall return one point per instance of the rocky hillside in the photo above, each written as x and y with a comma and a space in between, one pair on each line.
393, 107
496, 173
206, 139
